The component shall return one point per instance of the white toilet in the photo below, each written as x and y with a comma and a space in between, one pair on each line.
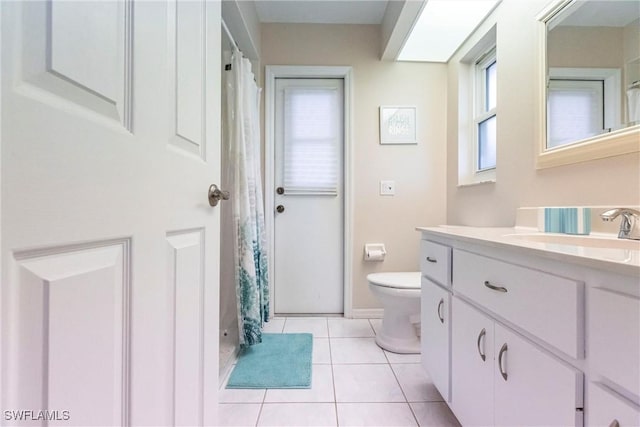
399, 294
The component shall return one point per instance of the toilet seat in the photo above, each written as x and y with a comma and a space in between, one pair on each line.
403, 280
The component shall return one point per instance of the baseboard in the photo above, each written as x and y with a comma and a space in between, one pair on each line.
367, 313
224, 371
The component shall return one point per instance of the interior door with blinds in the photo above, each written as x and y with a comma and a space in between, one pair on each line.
309, 196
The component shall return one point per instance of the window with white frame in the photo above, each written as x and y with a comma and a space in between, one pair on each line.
486, 71
477, 111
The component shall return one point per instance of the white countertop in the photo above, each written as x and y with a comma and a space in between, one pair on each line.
623, 261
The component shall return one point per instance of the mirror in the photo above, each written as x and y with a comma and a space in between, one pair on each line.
591, 79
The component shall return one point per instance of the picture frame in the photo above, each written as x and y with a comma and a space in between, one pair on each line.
398, 124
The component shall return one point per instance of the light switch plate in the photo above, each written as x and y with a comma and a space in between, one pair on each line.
387, 188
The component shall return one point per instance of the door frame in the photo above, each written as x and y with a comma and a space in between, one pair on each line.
272, 72
2, 286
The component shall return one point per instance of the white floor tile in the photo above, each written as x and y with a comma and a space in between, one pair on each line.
298, 414
340, 327
402, 358
274, 326
321, 389
376, 324
375, 414
238, 414
314, 325
356, 350
416, 384
366, 383
434, 414
321, 353
241, 395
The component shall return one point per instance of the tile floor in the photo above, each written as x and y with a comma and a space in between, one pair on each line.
354, 383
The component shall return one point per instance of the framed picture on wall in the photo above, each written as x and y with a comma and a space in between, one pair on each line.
398, 125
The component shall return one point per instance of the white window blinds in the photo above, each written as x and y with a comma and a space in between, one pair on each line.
311, 140
575, 110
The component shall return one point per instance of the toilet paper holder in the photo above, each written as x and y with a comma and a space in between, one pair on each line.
374, 252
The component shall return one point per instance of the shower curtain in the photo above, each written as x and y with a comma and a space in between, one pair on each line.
251, 270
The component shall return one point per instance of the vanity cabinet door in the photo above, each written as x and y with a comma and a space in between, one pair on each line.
532, 387
435, 335
614, 337
605, 409
471, 365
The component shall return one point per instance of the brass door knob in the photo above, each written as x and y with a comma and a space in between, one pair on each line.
280, 208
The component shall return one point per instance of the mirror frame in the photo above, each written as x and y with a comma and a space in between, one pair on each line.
616, 143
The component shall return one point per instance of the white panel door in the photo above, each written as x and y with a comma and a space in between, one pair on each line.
435, 335
110, 140
309, 196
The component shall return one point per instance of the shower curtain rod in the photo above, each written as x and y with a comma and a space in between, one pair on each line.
226, 29
233, 42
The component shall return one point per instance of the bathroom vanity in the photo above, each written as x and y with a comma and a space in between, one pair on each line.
527, 328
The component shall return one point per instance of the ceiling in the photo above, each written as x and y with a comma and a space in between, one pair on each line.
604, 13
321, 11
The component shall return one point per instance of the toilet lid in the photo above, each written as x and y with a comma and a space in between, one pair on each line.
405, 280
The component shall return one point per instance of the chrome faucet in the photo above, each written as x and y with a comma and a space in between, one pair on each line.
630, 225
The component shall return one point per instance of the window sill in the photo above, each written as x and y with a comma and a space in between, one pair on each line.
474, 184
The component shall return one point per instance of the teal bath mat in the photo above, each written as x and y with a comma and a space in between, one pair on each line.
279, 361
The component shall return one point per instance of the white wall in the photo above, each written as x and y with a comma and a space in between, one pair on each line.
419, 170
611, 181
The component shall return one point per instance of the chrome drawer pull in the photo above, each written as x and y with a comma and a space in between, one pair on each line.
503, 350
495, 288
483, 332
614, 423
431, 259
440, 304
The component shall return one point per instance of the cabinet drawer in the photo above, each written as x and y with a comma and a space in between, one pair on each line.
604, 408
614, 337
435, 262
547, 306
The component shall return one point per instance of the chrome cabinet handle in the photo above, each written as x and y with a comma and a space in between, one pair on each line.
431, 259
483, 332
440, 304
614, 423
495, 288
215, 195
503, 350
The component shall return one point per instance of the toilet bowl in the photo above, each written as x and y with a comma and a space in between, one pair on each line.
399, 294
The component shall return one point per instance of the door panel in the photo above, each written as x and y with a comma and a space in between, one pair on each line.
185, 267
77, 55
187, 74
57, 354
309, 254
109, 247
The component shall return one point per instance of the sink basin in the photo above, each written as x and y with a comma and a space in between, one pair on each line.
585, 241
